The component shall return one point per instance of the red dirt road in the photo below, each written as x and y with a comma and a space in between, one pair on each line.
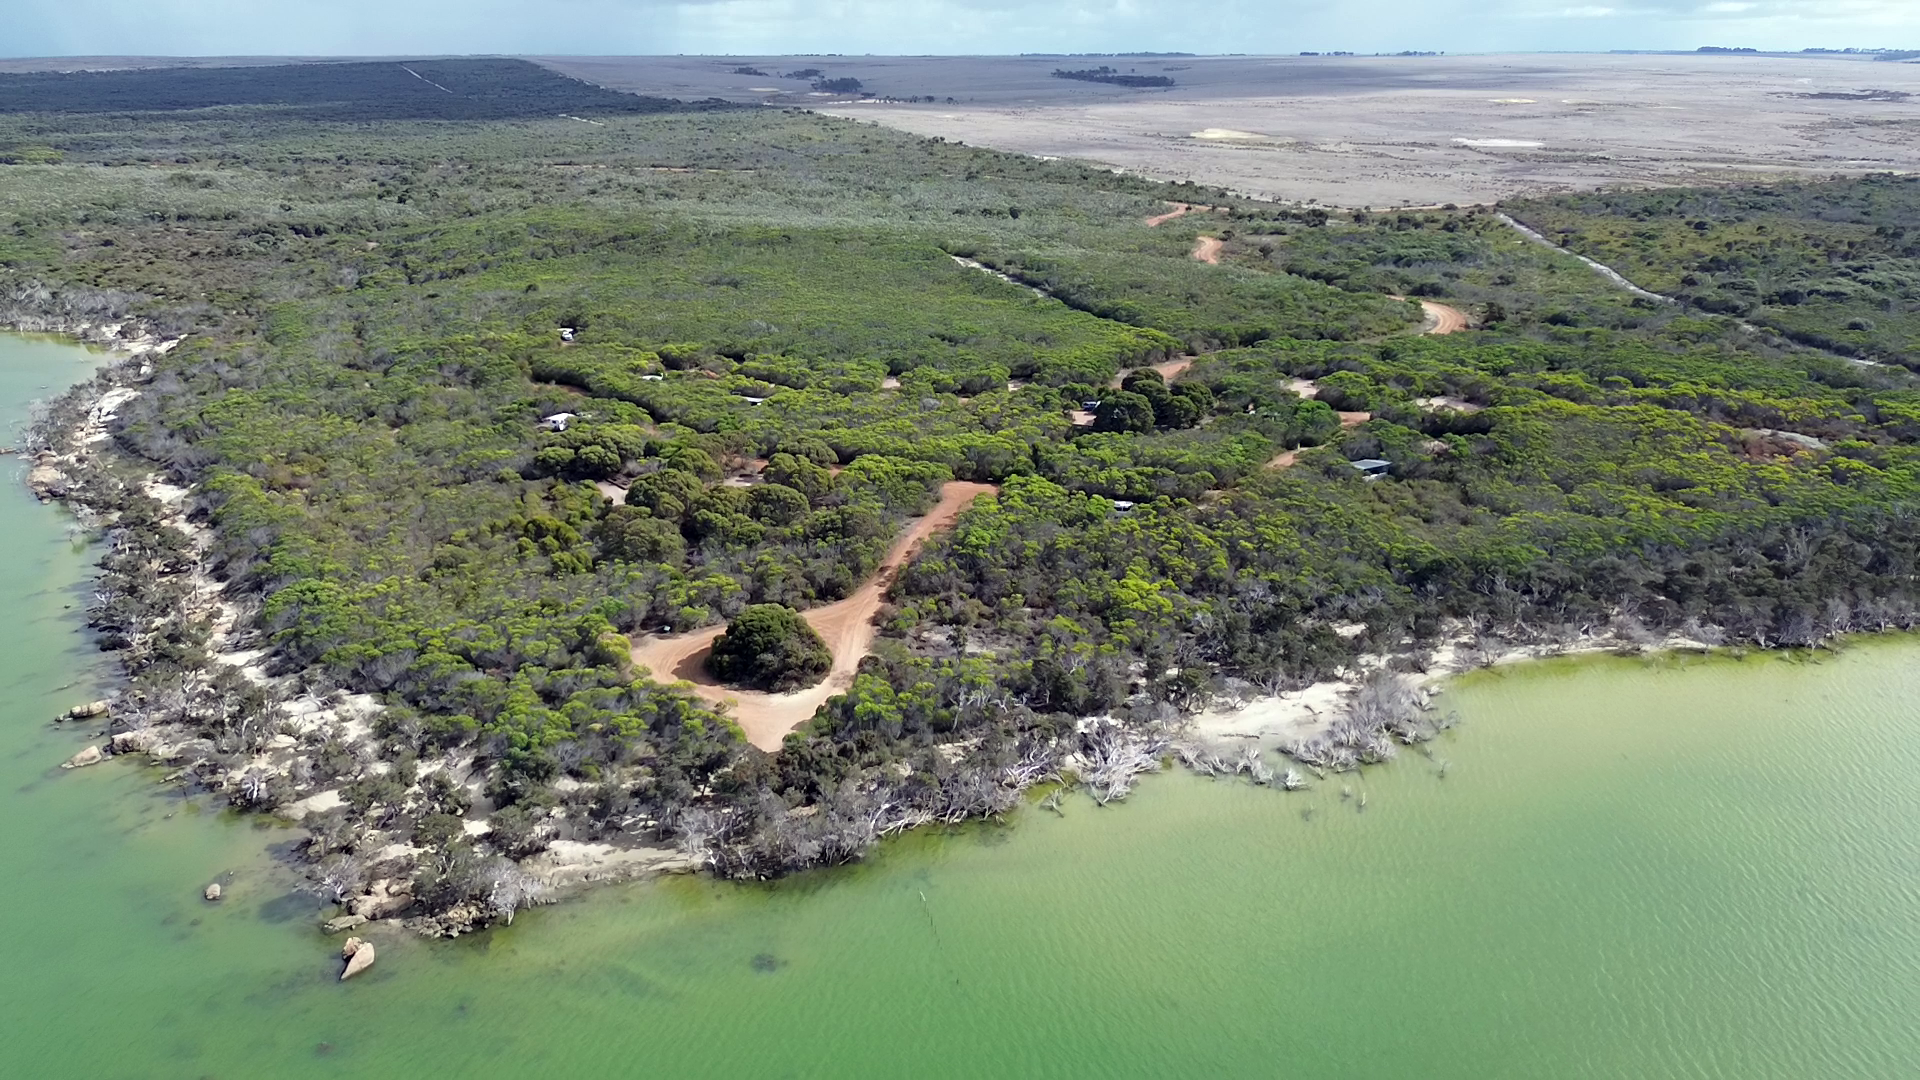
847, 626
1306, 389
1442, 319
1207, 249
1180, 209
1168, 369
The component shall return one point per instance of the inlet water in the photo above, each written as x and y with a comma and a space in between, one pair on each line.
1612, 868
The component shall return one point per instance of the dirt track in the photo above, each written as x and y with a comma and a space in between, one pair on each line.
1306, 389
1207, 249
1442, 319
1180, 209
847, 626
1168, 369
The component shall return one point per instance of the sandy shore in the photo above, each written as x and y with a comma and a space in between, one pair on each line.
1301, 715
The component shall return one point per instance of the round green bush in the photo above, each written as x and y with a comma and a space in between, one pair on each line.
770, 647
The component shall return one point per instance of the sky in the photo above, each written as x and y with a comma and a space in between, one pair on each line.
771, 27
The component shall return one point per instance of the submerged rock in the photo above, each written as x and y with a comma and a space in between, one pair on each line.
92, 755
87, 711
213, 892
359, 957
344, 922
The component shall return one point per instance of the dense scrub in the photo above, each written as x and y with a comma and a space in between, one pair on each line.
1205, 307
1105, 74
1835, 265
385, 90
469, 406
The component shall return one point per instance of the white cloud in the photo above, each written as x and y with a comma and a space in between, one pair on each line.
321, 27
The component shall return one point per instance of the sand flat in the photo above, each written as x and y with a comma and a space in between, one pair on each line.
1378, 131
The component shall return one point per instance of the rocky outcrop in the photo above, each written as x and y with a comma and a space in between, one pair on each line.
464, 918
213, 893
139, 741
343, 923
92, 755
45, 479
359, 957
87, 711
384, 899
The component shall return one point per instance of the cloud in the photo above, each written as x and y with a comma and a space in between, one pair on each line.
374, 27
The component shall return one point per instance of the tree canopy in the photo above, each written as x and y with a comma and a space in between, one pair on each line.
769, 647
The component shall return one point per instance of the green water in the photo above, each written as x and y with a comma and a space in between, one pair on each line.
1681, 868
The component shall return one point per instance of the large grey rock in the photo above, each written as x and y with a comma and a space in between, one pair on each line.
92, 755
359, 955
213, 892
383, 900
87, 711
135, 742
343, 923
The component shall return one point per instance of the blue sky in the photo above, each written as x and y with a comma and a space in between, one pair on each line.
362, 27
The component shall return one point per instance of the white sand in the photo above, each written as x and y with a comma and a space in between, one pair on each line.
1229, 135
315, 804
1283, 718
570, 862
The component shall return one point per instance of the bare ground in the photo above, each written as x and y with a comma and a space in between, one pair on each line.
1442, 319
1180, 209
846, 625
1169, 370
1392, 131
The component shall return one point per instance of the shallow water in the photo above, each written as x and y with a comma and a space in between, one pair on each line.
1674, 868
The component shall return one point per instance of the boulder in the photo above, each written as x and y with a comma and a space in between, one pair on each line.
45, 479
383, 900
359, 957
87, 711
344, 922
92, 755
213, 892
135, 742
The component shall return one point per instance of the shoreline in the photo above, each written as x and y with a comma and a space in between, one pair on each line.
1104, 755
1297, 717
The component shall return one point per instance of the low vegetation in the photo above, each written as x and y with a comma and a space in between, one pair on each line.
1834, 265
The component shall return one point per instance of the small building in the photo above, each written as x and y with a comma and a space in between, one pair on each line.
1124, 505
566, 333
557, 422
653, 378
1372, 468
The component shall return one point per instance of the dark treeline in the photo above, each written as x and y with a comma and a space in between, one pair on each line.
1104, 74
382, 90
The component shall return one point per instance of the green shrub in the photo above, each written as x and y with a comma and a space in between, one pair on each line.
770, 647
